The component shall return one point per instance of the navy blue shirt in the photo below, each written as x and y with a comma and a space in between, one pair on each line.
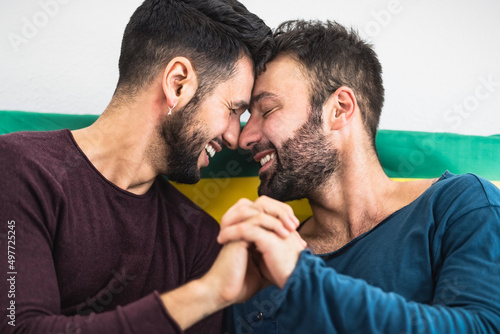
431, 267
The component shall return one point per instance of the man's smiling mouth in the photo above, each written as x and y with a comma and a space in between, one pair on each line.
210, 150
267, 158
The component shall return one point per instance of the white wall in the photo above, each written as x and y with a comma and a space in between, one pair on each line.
438, 55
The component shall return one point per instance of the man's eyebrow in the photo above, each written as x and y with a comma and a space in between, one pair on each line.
263, 95
240, 105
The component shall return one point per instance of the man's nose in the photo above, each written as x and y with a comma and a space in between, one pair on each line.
232, 134
250, 135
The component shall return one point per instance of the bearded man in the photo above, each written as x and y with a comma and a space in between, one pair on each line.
103, 243
384, 256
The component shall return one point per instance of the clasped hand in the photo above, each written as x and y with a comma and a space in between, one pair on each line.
261, 246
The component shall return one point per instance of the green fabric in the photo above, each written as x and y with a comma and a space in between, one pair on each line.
403, 154
13, 121
406, 154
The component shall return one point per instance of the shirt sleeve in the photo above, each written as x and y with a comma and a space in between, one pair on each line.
206, 252
29, 291
317, 299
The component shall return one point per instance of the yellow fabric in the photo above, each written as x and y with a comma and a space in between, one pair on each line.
216, 196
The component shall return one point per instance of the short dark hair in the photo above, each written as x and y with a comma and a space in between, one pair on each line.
212, 34
333, 57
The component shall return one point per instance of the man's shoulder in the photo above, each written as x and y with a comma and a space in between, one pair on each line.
30, 145
35, 157
470, 187
454, 196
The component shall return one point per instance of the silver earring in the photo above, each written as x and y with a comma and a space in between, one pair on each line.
170, 109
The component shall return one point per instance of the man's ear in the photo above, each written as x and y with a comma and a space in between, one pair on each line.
340, 108
179, 82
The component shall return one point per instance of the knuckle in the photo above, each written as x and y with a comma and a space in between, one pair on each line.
224, 221
245, 211
264, 198
262, 216
242, 201
241, 229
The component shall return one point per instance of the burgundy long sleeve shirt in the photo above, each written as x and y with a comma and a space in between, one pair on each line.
87, 256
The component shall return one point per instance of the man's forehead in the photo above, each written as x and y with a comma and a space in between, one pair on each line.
236, 92
277, 73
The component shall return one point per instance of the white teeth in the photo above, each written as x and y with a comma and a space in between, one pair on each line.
210, 150
267, 158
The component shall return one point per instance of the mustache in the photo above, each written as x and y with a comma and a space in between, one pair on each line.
262, 147
219, 141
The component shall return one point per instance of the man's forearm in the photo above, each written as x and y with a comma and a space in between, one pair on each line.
228, 281
342, 304
191, 303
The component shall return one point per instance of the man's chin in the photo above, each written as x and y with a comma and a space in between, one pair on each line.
190, 178
283, 194
264, 190
266, 187
188, 181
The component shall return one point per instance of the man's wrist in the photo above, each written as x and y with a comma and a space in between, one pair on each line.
192, 302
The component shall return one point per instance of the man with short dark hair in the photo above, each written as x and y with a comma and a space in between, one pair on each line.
103, 243
385, 256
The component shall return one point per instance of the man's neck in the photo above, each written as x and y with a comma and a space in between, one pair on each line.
118, 144
354, 201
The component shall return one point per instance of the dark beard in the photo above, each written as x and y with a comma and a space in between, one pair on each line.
303, 164
185, 139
